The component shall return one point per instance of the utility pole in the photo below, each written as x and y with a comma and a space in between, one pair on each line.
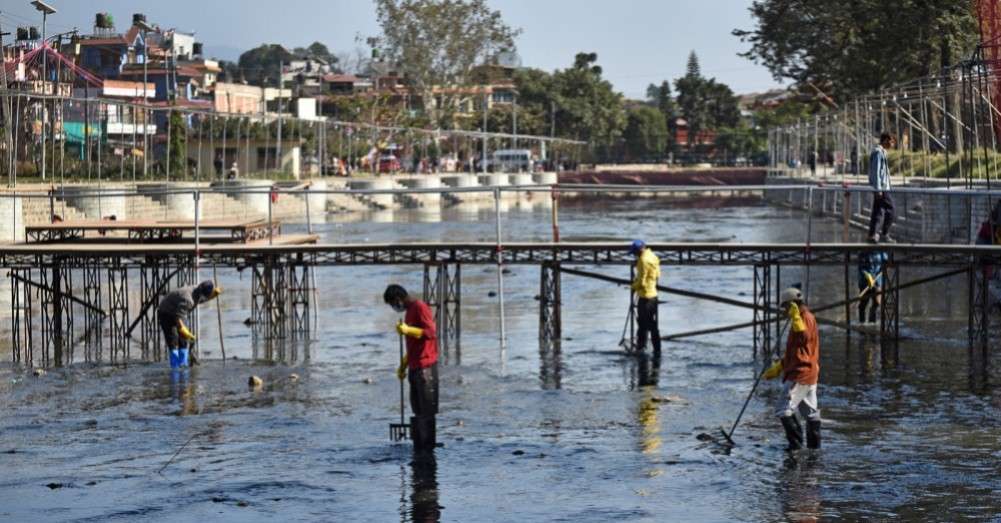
145, 101
9, 135
281, 87
486, 103
514, 123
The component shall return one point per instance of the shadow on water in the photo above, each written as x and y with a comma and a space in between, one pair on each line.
424, 506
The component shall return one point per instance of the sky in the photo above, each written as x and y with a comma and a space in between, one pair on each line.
638, 42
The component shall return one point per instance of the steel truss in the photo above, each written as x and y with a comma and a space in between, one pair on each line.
443, 293
550, 325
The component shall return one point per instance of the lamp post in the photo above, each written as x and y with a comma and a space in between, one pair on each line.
146, 28
46, 10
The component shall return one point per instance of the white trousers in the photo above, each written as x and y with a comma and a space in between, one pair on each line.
795, 396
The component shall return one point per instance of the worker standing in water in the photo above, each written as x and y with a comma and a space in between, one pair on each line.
800, 370
419, 364
870, 284
173, 308
645, 287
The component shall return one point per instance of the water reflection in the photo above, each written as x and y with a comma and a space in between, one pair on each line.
424, 505
800, 489
643, 370
183, 390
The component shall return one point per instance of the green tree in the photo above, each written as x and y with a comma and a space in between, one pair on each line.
588, 108
437, 44
261, 65
704, 103
645, 135
178, 145
851, 48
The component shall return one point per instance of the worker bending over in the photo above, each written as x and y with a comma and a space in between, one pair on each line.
645, 287
419, 364
174, 307
870, 284
800, 369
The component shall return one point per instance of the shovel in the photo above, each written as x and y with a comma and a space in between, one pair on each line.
729, 437
400, 431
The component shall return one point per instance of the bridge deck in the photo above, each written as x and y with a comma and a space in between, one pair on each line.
589, 253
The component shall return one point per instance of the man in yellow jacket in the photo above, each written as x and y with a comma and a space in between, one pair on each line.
645, 287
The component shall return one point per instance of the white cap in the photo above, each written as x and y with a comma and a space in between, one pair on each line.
791, 294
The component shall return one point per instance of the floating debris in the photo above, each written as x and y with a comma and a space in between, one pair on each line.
518, 453
368, 381
492, 294
460, 423
39, 373
255, 382
54, 486
293, 377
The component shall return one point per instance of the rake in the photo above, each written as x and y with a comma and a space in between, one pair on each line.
400, 431
729, 437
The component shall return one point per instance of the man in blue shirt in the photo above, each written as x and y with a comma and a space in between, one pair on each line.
879, 179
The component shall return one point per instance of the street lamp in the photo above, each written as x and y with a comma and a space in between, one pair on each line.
146, 28
46, 10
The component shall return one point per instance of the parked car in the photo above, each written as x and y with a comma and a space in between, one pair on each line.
389, 164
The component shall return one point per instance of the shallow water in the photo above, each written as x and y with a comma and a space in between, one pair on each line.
588, 435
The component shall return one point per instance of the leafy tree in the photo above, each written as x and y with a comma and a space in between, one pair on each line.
316, 50
646, 133
659, 96
438, 43
703, 102
261, 65
178, 144
860, 46
589, 109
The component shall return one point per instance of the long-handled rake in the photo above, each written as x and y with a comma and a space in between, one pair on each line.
400, 431
627, 344
729, 436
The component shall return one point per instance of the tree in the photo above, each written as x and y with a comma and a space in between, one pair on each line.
436, 44
261, 65
587, 107
659, 97
861, 46
646, 133
704, 103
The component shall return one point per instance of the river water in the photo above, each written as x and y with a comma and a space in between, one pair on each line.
590, 435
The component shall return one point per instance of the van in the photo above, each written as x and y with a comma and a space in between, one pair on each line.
511, 161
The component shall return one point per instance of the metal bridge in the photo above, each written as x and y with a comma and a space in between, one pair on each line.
52, 284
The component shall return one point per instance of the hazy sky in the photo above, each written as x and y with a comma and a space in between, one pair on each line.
638, 41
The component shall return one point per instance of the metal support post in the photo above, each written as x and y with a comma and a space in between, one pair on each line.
550, 325
762, 310
118, 312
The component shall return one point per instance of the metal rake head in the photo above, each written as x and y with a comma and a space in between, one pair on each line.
399, 431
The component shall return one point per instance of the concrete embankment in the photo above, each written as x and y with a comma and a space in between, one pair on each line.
680, 176
254, 199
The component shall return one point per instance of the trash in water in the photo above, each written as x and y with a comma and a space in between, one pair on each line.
54, 486
255, 382
39, 372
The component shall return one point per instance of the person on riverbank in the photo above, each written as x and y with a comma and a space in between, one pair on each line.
171, 312
645, 286
419, 364
870, 283
879, 180
800, 371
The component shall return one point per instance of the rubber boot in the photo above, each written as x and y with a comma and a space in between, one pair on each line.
422, 432
175, 358
794, 432
813, 434
861, 314
872, 314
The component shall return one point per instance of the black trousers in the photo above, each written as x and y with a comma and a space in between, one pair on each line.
870, 297
168, 324
424, 390
882, 206
424, 403
646, 317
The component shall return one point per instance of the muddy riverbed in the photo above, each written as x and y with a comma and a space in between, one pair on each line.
586, 435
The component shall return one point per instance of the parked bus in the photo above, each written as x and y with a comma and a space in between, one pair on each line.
511, 161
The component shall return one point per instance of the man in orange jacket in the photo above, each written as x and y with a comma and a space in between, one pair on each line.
800, 370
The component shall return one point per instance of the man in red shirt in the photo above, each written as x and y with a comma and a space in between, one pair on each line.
419, 364
800, 370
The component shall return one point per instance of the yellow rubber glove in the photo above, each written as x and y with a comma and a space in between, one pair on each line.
773, 372
407, 330
183, 330
796, 323
401, 371
216, 291
870, 279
